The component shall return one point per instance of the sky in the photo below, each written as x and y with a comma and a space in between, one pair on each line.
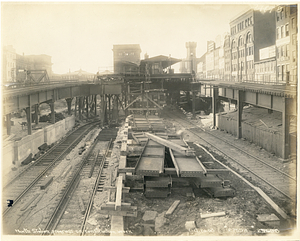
81, 35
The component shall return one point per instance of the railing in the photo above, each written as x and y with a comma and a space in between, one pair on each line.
266, 79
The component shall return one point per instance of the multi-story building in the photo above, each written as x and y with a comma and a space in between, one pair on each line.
126, 58
250, 32
9, 64
227, 58
265, 67
210, 60
201, 67
286, 43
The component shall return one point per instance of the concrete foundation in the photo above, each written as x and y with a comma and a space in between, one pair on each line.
13, 153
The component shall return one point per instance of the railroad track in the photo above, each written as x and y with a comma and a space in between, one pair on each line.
282, 182
21, 184
75, 204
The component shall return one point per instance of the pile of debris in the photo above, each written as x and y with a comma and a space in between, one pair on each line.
47, 118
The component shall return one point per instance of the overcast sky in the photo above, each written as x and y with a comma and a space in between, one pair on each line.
82, 35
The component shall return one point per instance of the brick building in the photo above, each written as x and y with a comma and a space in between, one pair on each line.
126, 58
9, 64
286, 43
250, 32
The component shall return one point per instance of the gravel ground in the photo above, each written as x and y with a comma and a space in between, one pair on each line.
35, 216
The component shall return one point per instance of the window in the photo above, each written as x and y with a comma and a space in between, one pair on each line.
246, 23
283, 51
241, 41
233, 45
294, 56
287, 30
278, 33
293, 23
288, 50
278, 16
282, 31
248, 38
294, 39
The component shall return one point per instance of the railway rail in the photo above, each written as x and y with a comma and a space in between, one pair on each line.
282, 182
75, 205
22, 183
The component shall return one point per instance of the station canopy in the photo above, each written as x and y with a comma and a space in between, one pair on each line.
165, 60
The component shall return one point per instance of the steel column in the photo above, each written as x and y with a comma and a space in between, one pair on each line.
76, 102
194, 104
8, 124
215, 95
285, 130
95, 100
52, 112
87, 107
69, 102
240, 103
29, 121
80, 108
36, 114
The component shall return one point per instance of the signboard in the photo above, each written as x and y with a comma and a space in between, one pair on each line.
267, 52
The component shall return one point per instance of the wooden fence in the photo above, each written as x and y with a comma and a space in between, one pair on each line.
270, 140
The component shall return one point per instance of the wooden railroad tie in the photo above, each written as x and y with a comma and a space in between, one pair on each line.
117, 207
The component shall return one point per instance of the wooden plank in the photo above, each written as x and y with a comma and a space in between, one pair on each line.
171, 145
119, 213
124, 189
280, 211
209, 215
46, 182
173, 207
117, 226
174, 162
119, 193
270, 201
114, 203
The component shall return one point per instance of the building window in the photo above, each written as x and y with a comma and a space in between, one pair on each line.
278, 16
241, 41
278, 33
294, 56
293, 23
282, 31
287, 30
287, 50
294, 40
248, 38
233, 46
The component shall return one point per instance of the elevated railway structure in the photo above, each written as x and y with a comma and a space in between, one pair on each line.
144, 92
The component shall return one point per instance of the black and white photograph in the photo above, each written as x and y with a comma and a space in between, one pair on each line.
149, 120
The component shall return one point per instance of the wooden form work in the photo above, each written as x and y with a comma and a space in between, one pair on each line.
117, 207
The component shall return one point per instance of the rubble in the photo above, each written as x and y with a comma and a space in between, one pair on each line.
190, 225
